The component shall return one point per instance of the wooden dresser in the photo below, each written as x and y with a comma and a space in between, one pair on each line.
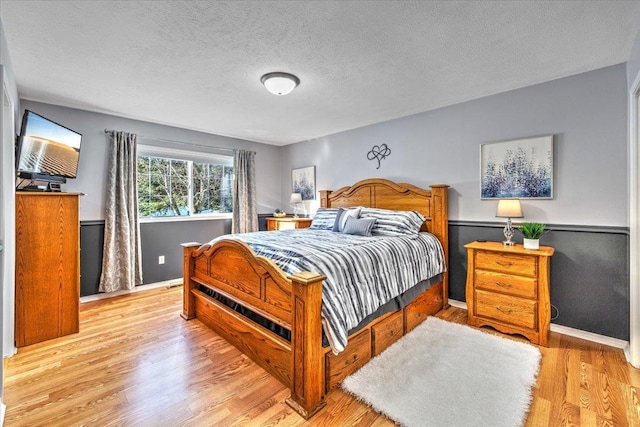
47, 266
287, 223
508, 289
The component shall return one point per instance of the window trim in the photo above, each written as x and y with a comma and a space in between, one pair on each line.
143, 150
176, 154
181, 218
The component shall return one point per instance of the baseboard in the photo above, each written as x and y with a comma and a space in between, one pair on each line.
565, 330
458, 304
164, 284
589, 336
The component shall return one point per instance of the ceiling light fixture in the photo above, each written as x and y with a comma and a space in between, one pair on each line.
280, 83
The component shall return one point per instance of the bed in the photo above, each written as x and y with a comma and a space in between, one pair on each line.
229, 271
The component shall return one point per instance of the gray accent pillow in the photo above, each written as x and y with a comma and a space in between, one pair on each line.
336, 224
343, 215
359, 227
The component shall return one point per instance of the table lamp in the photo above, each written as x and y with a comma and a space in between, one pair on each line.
509, 208
296, 199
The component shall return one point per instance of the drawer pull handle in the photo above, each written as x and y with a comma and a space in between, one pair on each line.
504, 310
352, 360
504, 263
391, 333
503, 285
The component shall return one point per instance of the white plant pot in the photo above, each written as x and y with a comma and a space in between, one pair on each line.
532, 243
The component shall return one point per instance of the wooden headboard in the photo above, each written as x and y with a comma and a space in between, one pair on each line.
385, 194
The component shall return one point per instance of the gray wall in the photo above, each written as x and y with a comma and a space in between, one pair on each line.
92, 170
587, 113
158, 238
589, 273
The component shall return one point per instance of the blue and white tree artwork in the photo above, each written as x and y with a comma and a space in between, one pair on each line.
521, 169
304, 182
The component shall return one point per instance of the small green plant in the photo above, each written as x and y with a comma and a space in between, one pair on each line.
531, 230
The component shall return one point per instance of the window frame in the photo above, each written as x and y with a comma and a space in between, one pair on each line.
189, 156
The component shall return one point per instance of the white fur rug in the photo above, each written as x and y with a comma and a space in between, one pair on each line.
446, 374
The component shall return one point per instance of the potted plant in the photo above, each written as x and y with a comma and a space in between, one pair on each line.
531, 232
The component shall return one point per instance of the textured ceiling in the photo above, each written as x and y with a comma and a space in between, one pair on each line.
197, 64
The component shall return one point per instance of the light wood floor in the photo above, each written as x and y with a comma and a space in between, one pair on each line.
135, 362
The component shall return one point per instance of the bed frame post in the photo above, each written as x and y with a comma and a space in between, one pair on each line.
307, 387
188, 267
440, 222
324, 198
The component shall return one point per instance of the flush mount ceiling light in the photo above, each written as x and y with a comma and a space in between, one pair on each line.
280, 83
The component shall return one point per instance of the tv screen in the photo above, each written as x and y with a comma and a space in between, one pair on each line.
47, 148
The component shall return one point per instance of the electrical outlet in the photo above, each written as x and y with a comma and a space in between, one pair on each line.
161, 259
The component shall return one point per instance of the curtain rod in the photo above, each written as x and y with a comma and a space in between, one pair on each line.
179, 142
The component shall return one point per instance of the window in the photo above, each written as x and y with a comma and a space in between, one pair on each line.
176, 183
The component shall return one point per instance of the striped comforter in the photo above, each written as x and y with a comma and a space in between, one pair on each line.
362, 272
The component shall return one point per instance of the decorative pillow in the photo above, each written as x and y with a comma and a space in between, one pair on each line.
359, 227
343, 215
393, 223
324, 219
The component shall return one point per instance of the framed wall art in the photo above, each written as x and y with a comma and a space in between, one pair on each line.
521, 168
304, 182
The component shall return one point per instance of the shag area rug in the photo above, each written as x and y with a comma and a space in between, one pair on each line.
446, 374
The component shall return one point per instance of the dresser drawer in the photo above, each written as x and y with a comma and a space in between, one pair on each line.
356, 355
281, 225
506, 263
387, 332
506, 283
507, 309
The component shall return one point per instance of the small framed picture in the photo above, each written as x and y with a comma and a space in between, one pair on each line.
304, 182
521, 168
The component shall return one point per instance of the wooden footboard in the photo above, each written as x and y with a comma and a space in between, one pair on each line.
233, 271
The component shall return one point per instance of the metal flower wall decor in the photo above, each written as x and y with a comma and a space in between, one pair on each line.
379, 152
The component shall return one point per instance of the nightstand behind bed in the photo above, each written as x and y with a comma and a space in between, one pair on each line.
287, 223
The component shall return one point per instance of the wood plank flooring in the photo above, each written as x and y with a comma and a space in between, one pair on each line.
135, 362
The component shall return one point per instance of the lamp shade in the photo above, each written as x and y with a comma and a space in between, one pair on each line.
280, 83
509, 208
296, 198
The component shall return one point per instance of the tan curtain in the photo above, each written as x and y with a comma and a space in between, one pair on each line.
121, 259
245, 210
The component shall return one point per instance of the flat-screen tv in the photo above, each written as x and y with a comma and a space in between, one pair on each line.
46, 150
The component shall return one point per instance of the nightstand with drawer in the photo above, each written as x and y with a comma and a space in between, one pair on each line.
508, 289
287, 223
